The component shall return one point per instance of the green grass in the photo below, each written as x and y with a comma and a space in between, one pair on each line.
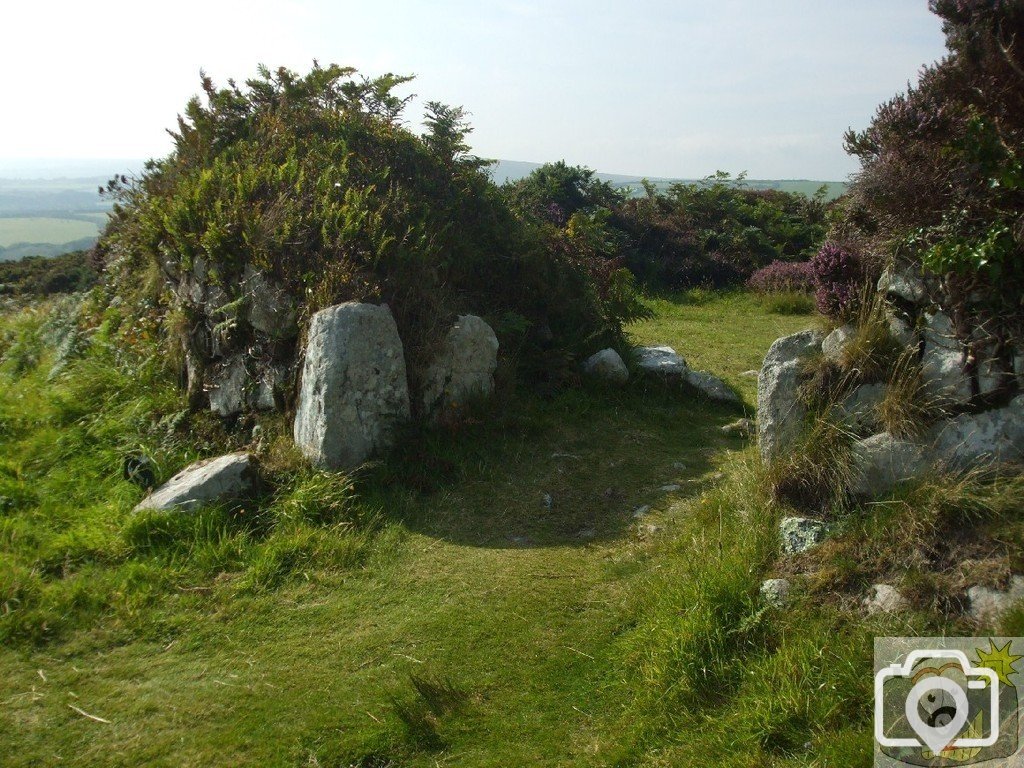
433, 610
56, 231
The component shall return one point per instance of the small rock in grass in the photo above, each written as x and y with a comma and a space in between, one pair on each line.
608, 366
711, 387
641, 511
775, 592
988, 605
586, 534
751, 374
884, 598
739, 428
800, 534
662, 360
670, 488
205, 482
547, 501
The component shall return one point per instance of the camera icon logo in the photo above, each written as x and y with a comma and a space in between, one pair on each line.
935, 706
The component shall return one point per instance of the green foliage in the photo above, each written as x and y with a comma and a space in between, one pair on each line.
942, 182
717, 232
40, 276
313, 180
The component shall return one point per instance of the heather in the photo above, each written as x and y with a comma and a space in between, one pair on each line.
783, 276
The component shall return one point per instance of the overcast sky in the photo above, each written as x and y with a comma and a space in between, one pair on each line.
653, 87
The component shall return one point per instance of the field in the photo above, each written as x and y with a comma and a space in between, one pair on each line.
55, 231
484, 598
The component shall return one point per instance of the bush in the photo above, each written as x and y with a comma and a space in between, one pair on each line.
941, 182
41, 276
783, 276
315, 182
716, 232
839, 282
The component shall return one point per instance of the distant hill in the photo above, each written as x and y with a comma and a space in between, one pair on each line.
512, 170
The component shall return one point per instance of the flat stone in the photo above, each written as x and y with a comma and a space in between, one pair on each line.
227, 395
711, 387
206, 482
800, 534
662, 360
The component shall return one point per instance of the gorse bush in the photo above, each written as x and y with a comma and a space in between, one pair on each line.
313, 181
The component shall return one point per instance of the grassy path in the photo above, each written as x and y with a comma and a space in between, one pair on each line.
504, 610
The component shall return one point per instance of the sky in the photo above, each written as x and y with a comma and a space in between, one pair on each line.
677, 88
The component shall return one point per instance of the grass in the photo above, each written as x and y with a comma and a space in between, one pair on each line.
57, 231
499, 606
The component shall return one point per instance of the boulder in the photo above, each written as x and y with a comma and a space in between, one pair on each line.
988, 605
229, 382
972, 440
464, 366
608, 366
662, 361
942, 366
775, 592
902, 331
882, 461
859, 410
206, 482
833, 345
269, 308
902, 284
780, 414
800, 534
884, 598
354, 390
711, 387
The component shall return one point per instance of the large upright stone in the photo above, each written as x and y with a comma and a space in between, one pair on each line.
464, 367
354, 390
943, 363
211, 481
780, 413
972, 440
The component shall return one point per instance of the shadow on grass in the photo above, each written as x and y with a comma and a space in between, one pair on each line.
570, 470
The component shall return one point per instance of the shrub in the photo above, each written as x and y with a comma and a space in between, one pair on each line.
41, 276
941, 181
783, 276
314, 181
839, 282
716, 232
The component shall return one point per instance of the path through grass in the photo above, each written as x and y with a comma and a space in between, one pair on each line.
482, 626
